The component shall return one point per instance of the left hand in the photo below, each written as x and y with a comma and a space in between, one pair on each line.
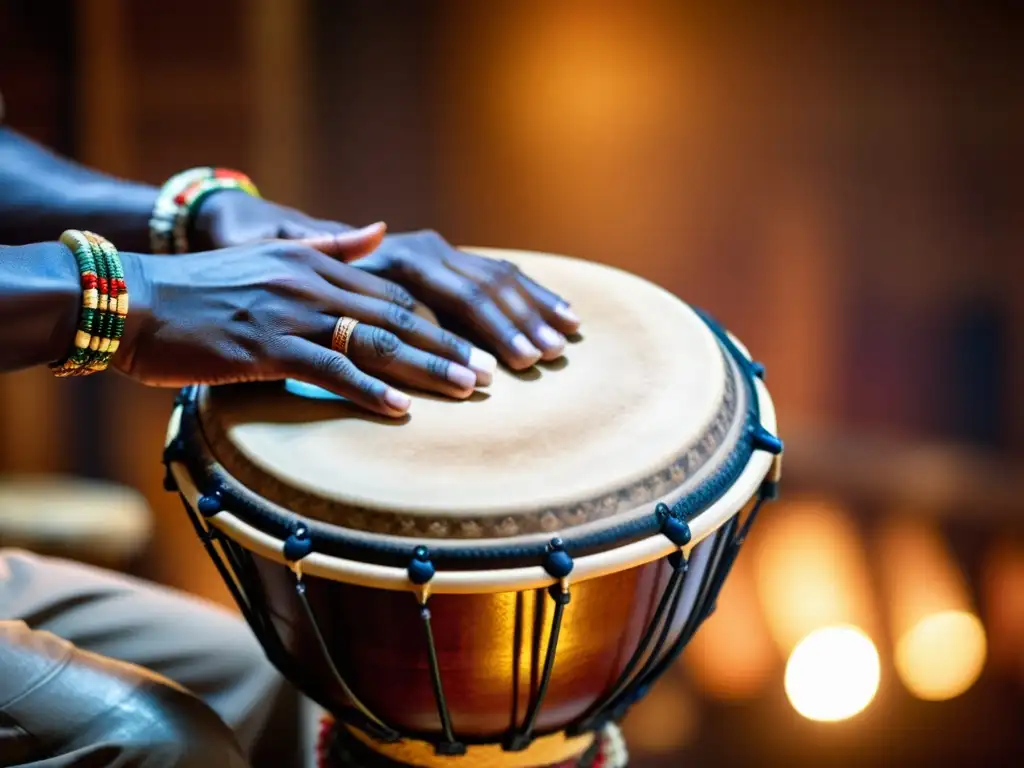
230, 218
520, 320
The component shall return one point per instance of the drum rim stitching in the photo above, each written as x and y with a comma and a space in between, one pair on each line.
214, 480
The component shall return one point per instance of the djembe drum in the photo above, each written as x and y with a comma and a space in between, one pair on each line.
492, 582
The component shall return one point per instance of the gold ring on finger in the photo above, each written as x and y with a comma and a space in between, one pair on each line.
342, 335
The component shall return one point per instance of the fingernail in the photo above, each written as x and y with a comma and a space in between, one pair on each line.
369, 229
549, 338
483, 364
397, 399
354, 235
461, 377
563, 311
524, 348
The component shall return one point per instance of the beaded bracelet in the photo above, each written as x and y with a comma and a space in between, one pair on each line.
165, 211
190, 198
104, 305
176, 204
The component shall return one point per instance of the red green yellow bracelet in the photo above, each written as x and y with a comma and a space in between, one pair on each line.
104, 305
181, 197
190, 198
165, 211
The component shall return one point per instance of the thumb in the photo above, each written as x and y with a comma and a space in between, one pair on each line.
348, 245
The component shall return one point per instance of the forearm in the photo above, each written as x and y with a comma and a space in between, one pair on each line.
42, 194
40, 299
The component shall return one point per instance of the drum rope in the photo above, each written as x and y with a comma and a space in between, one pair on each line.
728, 547
559, 564
639, 687
675, 528
420, 571
561, 596
234, 578
298, 546
451, 747
667, 596
229, 580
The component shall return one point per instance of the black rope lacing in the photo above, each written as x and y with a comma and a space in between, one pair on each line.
726, 548
421, 571
235, 566
558, 564
678, 532
296, 547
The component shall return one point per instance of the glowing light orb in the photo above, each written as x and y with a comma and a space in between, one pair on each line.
833, 674
942, 655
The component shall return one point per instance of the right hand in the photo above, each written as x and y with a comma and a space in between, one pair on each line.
267, 312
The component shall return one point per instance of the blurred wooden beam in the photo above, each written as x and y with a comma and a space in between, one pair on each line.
104, 86
940, 479
280, 59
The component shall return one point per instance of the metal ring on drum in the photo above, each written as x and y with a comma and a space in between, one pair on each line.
502, 577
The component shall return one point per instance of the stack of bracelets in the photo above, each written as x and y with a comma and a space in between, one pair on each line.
104, 294
180, 198
104, 304
340, 748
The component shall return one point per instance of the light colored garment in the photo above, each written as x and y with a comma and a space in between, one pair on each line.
97, 669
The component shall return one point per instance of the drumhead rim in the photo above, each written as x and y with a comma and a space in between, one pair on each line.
637, 553
708, 482
246, 519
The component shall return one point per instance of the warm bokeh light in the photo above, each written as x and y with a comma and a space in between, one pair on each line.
1003, 595
811, 571
833, 674
942, 655
939, 642
664, 721
732, 657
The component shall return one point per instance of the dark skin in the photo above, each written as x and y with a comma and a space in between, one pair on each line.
264, 305
510, 313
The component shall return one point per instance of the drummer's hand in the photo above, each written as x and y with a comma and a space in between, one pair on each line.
519, 319
267, 312
230, 217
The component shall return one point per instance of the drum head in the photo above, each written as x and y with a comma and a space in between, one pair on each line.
643, 403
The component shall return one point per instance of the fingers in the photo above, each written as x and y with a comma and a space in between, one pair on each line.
322, 367
382, 353
502, 280
471, 304
368, 284
553, 307
419, 333
526, 317
348, 245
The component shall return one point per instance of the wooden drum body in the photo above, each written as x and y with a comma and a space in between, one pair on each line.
504, 575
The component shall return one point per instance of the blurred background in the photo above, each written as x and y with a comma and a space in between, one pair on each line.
840, 183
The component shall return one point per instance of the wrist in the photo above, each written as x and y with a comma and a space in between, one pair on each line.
207, 216
66, 296
118, 209
138, 279
39, 300
172, 222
